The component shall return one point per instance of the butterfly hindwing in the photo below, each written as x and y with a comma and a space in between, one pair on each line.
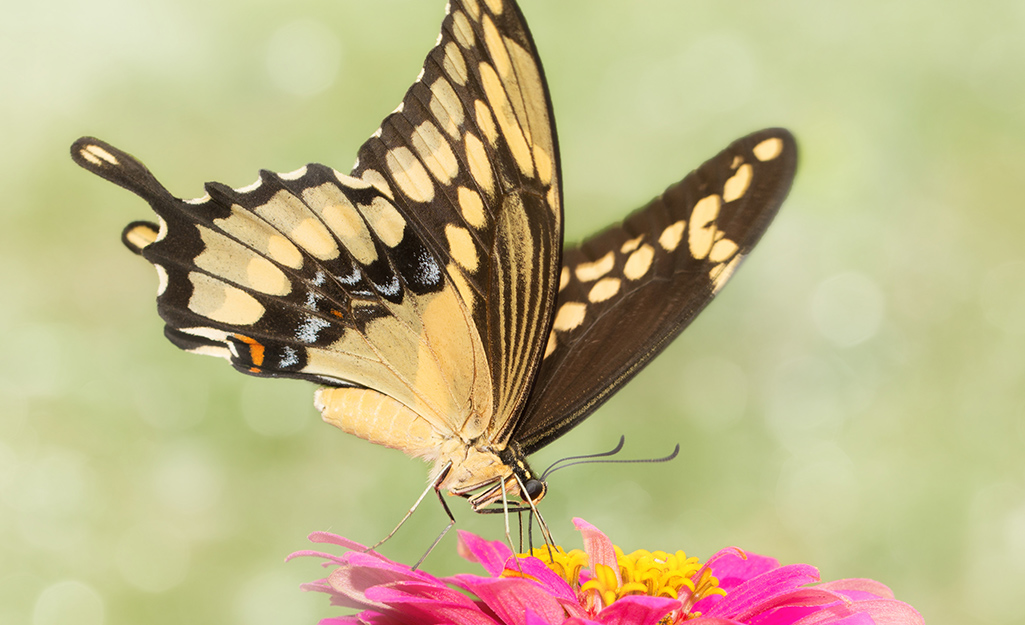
426, 276
628, 291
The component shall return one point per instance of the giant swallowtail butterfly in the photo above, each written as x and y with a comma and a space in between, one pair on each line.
429, 290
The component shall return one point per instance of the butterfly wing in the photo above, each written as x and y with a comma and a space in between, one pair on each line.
421, 284
471, 159
627, 292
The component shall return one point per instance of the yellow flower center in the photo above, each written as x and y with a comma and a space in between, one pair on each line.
655, 574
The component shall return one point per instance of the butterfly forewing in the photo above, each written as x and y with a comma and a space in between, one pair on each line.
628, 291
470, 161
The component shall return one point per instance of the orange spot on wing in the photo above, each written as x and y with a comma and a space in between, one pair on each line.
256, 351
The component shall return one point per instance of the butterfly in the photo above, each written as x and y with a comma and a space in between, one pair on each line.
428, 291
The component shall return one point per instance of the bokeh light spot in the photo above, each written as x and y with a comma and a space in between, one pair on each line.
153, 557
1002, 297
848, 309
714, 392
69, 602
303, 57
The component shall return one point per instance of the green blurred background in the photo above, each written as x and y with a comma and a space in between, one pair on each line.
854, 399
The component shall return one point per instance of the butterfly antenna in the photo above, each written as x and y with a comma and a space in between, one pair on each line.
597, 459
615, 450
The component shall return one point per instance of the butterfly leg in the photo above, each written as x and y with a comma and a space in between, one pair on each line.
436, 487
451, 522
545, 532
508, 534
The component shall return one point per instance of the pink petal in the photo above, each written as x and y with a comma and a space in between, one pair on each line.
360, 572
509, 598
733, 569
880, 612
491, 554
638, 610
598, 547
540, 573
420, 604
534, 619
340, 620
754, 595
870, 586
335, 539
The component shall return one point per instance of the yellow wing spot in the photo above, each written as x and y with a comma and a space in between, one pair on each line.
671, 236
95, 154
588, 272
553, 199
480, 166
473, 8
208, 333
446, 107
496, 46
346, 223
162, 279
454, 64
507, 122
722, 251
631, 245
284, 251
737, 185
604, 289
229, 260
410, 175
720, 274
486, 122
639, 262
544, 165
376, 180
348, 181
462, 286
462, 30
702, 225
294, 175
385, 220
141, 236
221, 302
495, 6
564, 278
472, 207
570, 315
435, 152
461, 247
552, 344
737, 160
768, 149
264, 276
311, 235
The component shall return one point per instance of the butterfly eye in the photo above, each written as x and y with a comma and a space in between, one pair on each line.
535, 489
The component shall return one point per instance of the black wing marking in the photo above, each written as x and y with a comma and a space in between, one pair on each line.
628, 291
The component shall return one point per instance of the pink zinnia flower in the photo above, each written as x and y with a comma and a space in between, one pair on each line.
599, 585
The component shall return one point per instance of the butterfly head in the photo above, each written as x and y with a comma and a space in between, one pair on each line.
518, 481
